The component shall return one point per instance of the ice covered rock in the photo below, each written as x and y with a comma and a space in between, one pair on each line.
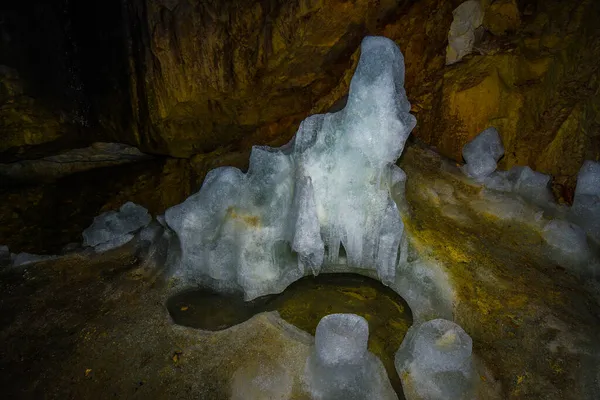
586, 204
531, 185
299, 204
340, 366
463, 31
482, 153
435, 363
425, 287
569, 243
115, 228
28, 258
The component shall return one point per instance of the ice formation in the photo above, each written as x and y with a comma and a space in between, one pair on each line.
297, 205
586, 204
533, 186
340, 366
115, 228
482, 153
435, 362
462, 36
569, 244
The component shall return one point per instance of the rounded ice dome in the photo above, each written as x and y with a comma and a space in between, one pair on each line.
341, 339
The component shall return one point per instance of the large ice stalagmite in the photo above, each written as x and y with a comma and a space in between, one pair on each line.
115, 228
298, 205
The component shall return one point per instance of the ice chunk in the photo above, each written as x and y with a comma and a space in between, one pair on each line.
390, 235
340, 366
462, 35
435, 363
588, 179
586, 205
499, 181
28, 258
569, 242
114, 228
482, 153
531, 185
300, 204
307, 238
341, 339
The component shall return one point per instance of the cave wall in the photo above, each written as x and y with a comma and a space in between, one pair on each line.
201, 82
535, 79
209, 74
41, 104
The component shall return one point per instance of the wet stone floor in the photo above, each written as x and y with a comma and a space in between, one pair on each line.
303, 304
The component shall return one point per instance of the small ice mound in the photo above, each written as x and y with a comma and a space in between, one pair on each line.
340, 366
588, 179
569, 242
531, 185
586, 205
28, 258
115, 228
341, 339
482, 154
435, 362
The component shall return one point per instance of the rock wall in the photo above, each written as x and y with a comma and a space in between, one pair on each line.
209, 74
204, 81
534, 76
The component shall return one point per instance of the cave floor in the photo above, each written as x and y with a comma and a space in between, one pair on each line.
86, 327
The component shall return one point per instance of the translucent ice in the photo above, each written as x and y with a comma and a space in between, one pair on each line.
114, 228
527, 183
482, 153
340, 366
586, 205
569, 243
434, 361
298, 205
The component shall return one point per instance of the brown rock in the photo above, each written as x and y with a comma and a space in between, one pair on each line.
502, 16
539, 88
